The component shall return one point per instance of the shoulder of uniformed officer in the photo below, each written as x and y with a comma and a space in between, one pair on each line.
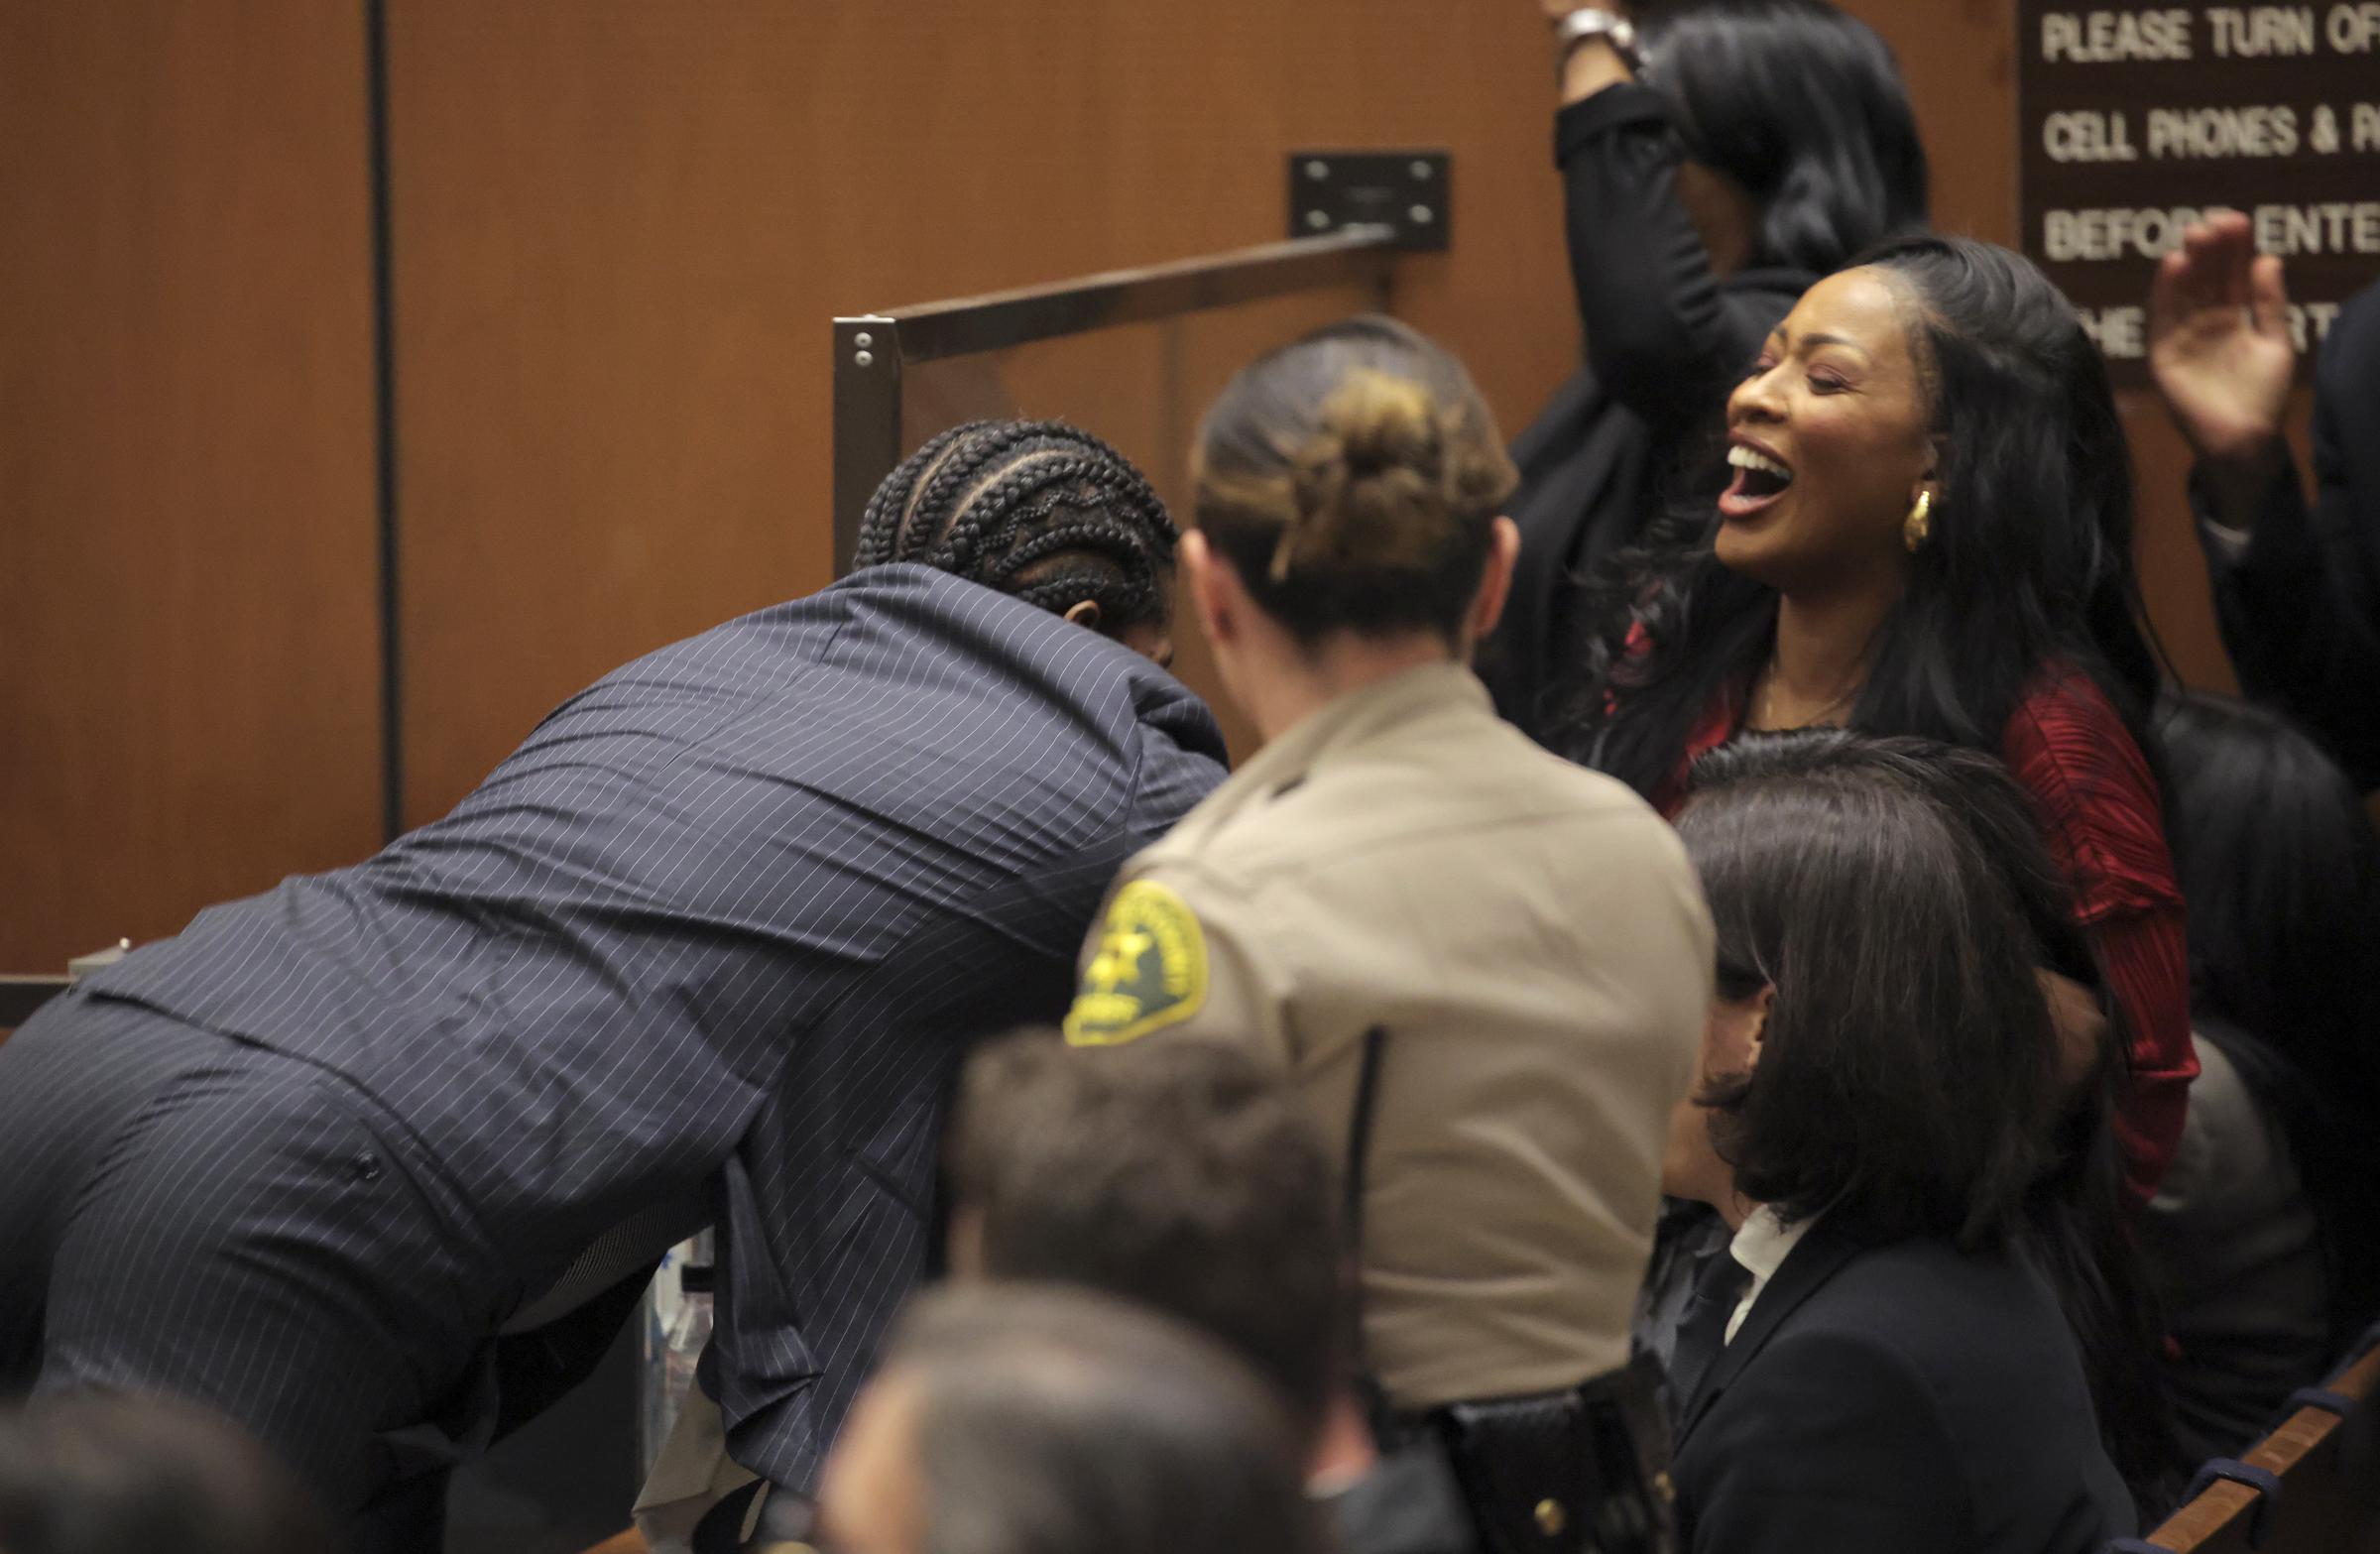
1147, 963
1206, 878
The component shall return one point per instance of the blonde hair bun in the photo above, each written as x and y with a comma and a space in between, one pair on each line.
1350, 477
1369, 482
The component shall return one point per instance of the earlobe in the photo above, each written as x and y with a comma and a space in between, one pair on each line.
1084, 612
1203, 573
1762, 1002
1495, 578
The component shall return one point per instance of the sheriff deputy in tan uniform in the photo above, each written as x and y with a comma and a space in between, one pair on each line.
1518, 943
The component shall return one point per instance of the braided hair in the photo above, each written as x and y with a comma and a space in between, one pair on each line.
1039, 510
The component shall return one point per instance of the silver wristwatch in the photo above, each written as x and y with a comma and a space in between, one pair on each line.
1594, 22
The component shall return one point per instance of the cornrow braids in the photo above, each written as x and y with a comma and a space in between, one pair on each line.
1041, 510
895, 499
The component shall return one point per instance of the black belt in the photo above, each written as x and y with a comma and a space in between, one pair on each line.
1580, 1470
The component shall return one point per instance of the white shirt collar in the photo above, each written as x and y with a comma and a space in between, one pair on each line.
1765, 1243
1761, 1244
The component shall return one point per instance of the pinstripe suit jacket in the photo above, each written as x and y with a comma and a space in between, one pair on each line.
721, 925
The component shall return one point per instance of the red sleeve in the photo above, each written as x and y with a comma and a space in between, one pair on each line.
2099, 809
1712, 729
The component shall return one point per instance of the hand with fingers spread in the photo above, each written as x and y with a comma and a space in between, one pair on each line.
2220, 345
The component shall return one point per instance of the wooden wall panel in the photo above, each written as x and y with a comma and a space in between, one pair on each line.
621, 228
188, 690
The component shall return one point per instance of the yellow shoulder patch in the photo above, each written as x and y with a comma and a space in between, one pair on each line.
1150, 970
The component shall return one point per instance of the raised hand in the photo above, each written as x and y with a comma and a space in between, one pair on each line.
1588, 66
1555, 10
2219, 346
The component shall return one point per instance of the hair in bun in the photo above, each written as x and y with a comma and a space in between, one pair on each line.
1351, 478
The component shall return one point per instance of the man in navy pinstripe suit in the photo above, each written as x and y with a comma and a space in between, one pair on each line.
706, 947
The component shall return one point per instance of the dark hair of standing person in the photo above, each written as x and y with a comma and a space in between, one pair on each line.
2280, 866
2030, 563
1904, 887
103, 1473
1054, 1420
1803, 106
1040, 510
1352, 478
1177, 1174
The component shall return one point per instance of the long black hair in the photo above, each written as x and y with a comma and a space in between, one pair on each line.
1967, 1138
2029, 567
2280, 866
1803, 106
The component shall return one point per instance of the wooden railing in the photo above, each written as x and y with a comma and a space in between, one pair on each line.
2324, 1459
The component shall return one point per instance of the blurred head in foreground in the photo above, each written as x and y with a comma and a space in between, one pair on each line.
1179, 1175
105, 1473
1025, 1419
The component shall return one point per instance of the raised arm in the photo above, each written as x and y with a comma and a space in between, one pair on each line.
2220, 352
1661, 335
2297, 586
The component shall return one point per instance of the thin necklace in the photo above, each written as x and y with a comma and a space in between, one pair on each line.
1764, 692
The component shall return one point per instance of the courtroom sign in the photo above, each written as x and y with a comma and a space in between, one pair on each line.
2138, 118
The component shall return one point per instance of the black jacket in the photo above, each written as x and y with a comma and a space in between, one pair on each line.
1885, 1398
2300, 606
1664, 340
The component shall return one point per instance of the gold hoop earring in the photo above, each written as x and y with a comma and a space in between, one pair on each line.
1918, 526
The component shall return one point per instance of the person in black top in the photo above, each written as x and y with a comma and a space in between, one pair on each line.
1762, 145
2297, 584
2265, 1235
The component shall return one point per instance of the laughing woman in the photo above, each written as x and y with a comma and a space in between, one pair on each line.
1717, 156
1929, 533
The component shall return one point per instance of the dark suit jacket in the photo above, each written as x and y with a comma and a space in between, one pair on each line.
2299, 609
1663, 338
721, 925
1881, 1399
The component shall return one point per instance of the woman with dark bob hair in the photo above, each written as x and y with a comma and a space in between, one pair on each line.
1929, 533
1717, 156
1879, 1360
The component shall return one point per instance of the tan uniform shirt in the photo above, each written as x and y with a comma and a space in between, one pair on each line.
1533, 940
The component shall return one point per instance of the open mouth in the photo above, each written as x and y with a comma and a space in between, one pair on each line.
1761, 478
